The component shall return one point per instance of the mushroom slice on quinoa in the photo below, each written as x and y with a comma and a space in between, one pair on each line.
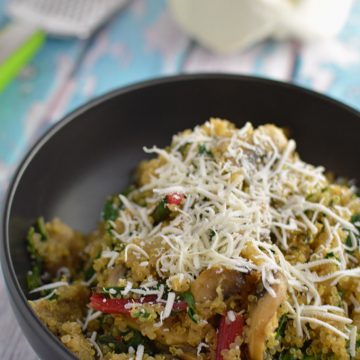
210, 282
262, 318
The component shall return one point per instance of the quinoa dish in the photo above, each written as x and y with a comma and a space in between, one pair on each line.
226, 245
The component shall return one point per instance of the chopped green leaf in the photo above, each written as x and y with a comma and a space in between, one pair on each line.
204, 151
329, 255
33, 277
112, 291
40, 224
138, 339
355, 219
161, 212
348, 241
115, 343
121, 344
111, 208
189, 298
282, 326
306, 345
30, 244
142, 314
286, 355
89, 273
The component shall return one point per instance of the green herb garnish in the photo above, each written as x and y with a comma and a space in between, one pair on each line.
204, 151
189, 299
142, 314
111, 208
115, 343
112, 291
161, 212
282, 326
354, 219
33, 277
138, 339
286, 355
89, 273
40, 225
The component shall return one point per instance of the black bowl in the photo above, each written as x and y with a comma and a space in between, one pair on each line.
92, 152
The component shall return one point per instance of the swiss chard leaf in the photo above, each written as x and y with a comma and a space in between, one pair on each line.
115, 343
189, 298
89, 273
161, 212
282, 326
40, 226
138, 339
111, 208
204, 151
33, 277
286, 355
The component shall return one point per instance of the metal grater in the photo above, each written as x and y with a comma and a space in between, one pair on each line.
78, 18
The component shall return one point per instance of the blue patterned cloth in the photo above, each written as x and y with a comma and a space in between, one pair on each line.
144, 42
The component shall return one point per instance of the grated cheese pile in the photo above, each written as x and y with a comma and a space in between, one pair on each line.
247, 193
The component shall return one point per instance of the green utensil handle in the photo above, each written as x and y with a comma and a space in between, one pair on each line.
19, 42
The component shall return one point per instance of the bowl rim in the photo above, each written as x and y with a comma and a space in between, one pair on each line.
17, 297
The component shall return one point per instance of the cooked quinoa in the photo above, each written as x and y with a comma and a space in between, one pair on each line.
226, 246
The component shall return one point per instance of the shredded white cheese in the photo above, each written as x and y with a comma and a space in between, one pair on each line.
128, 287
135, 248
63, 271
92, 341
112, 255
352, 342
231, 316
169, 305
47, 296
139, 352
200, 347
53, 285
256, 194
91, 315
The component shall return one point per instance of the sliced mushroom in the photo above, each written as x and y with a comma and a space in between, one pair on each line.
262, 319
115, 274
231, 282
